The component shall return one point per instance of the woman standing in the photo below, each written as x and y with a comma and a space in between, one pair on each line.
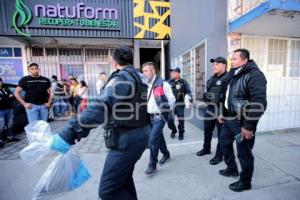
73, 95
59, 100
83, 94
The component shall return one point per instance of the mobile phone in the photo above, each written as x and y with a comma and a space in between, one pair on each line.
239, 138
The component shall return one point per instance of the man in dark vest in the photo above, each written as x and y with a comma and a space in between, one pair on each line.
160, 100
214, 98
180, 88
125, 133
6, 114
245, 103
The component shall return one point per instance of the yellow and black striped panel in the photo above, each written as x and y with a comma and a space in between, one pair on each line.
151, 19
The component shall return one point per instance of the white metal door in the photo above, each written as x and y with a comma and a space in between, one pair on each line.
279, 59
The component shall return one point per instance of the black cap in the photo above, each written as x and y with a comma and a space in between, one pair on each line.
219, 60
176, 69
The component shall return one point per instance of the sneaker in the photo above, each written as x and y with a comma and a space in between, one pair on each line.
164, 159
150, 170
14, 140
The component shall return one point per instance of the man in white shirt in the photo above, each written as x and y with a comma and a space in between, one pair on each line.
101, 82
160, 101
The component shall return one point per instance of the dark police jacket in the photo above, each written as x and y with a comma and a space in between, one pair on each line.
216, 88
247, 95
182, 90
122, 102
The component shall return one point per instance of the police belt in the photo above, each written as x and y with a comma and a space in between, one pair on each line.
232, 115
122, 130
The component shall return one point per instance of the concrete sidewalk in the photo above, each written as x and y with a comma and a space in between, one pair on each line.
185, 177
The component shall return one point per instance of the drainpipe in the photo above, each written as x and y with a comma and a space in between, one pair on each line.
136, 61
162, 60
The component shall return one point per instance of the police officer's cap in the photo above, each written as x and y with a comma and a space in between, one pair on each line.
176, 69
219, 60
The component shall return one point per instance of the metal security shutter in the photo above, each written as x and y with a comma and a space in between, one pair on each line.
92, 60
96, 61
47, 61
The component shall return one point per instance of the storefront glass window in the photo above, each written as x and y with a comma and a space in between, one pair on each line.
18, 52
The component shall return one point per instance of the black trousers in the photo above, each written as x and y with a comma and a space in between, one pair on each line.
116, 182
210, 122
179, 111
244, 149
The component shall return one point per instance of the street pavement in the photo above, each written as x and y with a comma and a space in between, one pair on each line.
185, 177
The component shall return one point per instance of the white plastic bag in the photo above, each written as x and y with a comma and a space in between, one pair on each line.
65, 173
40, 138
38, 131
187, 101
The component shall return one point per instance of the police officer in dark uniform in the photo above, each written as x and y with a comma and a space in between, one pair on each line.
125, 133
246, 102
180, 88
214, 97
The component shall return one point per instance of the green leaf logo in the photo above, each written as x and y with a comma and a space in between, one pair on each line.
21, 17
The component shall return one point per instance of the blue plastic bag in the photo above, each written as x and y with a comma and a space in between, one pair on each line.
80, 176
65, 173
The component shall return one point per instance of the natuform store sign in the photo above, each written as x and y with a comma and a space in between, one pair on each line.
32, 13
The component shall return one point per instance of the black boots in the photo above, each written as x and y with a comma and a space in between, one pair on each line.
239, 186
229, 172
203, 152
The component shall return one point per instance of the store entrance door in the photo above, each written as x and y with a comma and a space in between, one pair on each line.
150, 55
